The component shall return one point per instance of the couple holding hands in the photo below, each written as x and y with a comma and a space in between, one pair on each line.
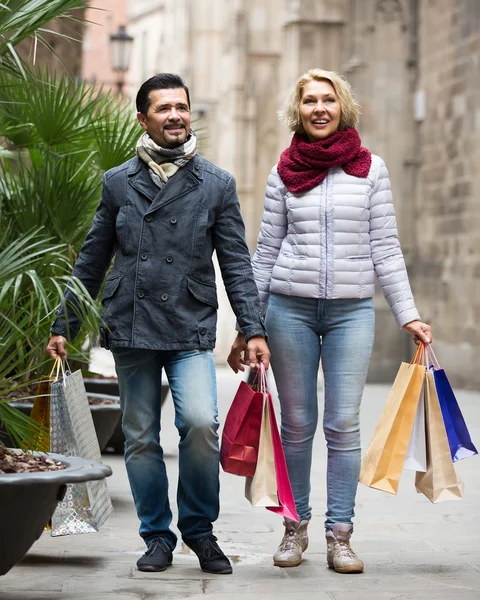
328, 228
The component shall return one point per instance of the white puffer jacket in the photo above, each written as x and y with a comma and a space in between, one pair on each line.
329, 242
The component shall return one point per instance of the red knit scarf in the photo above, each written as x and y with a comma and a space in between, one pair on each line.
304, 165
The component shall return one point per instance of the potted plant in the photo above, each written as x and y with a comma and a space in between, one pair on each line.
27, 499
36, 255
59, 135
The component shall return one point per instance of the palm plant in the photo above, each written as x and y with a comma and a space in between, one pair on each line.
27, 299
62, 135
59, 136
23, 19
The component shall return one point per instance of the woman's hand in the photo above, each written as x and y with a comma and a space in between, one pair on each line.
421, 332
250, 353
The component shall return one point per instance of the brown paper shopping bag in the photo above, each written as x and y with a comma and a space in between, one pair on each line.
41, 408
41, 413
440, 482
383, 461
261, 489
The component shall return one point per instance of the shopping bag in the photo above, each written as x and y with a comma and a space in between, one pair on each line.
440, 482
460, 442
284, 489
241, 432
416, 458
261, 489
384, 459
86, 506
41, 414
41, 407
271, 487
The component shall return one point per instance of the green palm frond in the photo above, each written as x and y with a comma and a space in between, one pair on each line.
24, 431
44, 108
116, 132
58, 195
20, 19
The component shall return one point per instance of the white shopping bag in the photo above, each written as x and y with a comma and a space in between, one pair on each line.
416, 458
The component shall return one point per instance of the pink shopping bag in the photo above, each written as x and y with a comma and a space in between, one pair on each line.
284, 489
270, 486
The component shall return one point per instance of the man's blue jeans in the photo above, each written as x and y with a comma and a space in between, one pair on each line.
341, 332
191, 375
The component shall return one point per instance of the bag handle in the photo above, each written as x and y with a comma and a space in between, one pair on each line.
261, 379
59, 366
419, 356
55, 369
431, 356
264, 387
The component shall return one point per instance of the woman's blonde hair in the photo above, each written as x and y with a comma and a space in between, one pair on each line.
349, 106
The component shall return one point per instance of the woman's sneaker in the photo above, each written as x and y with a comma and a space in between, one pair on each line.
340, 555
293, 544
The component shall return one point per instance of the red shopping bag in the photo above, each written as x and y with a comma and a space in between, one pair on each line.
241, 432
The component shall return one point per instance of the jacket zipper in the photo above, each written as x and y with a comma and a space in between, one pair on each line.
326, 235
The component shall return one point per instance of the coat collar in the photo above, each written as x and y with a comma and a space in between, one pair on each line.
184, 180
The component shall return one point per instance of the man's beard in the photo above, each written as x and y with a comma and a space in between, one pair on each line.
177, 141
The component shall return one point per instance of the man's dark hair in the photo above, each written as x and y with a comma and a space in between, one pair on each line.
161, 81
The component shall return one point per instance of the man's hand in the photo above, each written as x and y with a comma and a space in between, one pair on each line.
421, 332
237, 352
56, 347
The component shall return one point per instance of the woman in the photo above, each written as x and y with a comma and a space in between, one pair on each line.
328, 227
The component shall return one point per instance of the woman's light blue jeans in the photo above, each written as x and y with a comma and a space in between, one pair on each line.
341, 332
191, 375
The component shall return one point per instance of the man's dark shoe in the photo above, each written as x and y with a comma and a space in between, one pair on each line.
212, 559
157, 558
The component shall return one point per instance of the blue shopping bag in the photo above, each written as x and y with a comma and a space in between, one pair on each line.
461, 445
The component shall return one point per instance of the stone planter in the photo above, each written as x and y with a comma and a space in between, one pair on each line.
107, 416
28, 500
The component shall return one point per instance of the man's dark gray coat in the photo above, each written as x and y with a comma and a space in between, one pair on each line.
161, 292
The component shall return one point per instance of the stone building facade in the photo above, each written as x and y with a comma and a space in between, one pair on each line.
103, 20
414, 67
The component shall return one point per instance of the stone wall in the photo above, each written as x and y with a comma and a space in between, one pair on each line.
447, 202
414, 66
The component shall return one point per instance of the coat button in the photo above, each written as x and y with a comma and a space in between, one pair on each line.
197, 168
141, 295
164, 297
149, 218
173, 220
202, 331
169, 259
144, 256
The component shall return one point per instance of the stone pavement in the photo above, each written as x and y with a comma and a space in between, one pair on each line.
413, 550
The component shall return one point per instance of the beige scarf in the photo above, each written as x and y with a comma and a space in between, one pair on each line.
163, 163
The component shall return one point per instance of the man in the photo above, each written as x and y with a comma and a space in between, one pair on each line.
161, 215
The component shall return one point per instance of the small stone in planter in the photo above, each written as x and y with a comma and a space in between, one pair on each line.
13, 460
